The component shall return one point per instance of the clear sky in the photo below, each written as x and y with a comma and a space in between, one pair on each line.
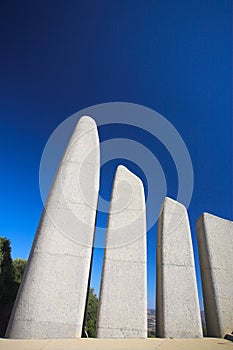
58, 57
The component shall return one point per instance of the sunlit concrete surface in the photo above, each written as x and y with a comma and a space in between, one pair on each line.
177, 305
123, 294
215, 244
52, 296
118, 344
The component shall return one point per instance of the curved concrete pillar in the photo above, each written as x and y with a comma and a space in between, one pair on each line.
215, 244
123, 294
52, 296
177, 305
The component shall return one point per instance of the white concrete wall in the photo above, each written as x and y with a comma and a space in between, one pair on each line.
215, 243
52, 295
123, 294
177, 305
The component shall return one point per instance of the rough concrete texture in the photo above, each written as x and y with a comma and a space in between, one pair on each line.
123, 294
117, 344
177, 305
215, 244
52, 296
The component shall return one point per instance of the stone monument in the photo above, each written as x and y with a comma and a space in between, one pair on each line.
123, 294
177, 305
52, 296
215, 243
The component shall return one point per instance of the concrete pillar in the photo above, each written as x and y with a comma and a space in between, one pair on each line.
177, 305
52, 296
215, 244
123, 294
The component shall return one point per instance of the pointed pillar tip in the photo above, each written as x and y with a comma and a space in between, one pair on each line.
123, 172
87, 124
87, 120
122, 169
170, 202
205, 216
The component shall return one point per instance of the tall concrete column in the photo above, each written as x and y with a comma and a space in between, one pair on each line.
52, 296
177, 305
215, 244
123, 293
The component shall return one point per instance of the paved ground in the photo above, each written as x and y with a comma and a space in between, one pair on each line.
123, 344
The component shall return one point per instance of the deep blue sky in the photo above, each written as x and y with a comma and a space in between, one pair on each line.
58, 57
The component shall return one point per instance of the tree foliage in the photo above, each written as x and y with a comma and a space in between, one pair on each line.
91, 314
11, 273
8, 288
19, 267
6, 272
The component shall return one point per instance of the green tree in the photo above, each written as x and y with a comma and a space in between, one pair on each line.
6, 272
19, 267
91, 314
7, 285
